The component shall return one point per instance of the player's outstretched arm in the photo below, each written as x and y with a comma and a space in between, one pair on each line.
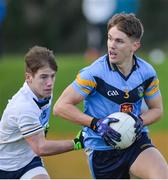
43, 147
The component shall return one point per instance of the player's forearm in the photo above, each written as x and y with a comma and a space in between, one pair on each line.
151, 116
72, 113
50, 147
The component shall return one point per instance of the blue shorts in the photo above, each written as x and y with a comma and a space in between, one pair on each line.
115, 164
36, 162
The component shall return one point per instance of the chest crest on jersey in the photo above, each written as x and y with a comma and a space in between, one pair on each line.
126, 107
140, 91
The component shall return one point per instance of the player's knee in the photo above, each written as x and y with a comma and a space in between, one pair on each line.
164, 173
160, 173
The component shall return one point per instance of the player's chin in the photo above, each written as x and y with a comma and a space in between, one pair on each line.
113, 60
47, 94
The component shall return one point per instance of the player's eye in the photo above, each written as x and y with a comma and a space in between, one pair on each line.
119, 41
43, 77
53, 76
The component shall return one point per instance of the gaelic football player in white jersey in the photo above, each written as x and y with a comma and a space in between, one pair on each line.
24, 122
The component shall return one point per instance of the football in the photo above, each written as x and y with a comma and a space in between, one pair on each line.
125, 126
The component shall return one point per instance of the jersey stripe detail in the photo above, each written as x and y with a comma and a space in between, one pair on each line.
83, 82
119, 96
27, 127
32, 131
154, 83
153, 91
87, 91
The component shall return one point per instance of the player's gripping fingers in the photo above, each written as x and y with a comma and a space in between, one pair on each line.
138, 124
112, 120
112, 134
78, 141
109, 141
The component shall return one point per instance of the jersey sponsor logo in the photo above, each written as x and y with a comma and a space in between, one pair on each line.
126, 107
112, 93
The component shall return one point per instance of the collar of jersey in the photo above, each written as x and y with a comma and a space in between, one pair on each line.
42, 102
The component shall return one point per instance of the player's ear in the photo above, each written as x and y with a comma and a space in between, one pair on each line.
28, 77
136, 45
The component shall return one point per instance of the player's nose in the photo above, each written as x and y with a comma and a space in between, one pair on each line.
50, 82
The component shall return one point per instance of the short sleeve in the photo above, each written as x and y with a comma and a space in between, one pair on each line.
84, 83
153, 89
29, 124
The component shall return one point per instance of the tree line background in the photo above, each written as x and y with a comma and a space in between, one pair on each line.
61, 26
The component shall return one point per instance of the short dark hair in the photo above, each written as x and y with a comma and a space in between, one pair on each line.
38, 57
127, 23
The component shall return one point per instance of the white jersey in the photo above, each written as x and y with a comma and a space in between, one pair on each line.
24, 115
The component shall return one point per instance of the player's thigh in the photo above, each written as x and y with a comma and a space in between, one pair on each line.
150, 164
41, 176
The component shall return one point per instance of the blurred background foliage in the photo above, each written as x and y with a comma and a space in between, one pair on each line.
56, 24
61, 26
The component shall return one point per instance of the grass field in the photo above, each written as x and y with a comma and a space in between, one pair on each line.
12, 77
73, 164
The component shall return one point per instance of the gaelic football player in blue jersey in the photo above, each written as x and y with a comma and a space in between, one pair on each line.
117, 81
24, 122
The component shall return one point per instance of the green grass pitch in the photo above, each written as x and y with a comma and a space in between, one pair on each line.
12, 77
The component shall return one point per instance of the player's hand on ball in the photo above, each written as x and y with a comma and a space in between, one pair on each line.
138, 124
78, 141
101, 126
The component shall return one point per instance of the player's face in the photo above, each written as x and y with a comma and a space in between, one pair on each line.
120, 47
42, 82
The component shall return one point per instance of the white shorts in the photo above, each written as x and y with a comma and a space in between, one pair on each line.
34, 172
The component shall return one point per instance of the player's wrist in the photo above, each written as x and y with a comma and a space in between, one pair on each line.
93, 124
75, 147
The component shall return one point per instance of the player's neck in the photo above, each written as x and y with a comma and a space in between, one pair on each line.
126, 67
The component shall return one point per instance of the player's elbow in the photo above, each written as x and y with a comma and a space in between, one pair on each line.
40, 150
160, 112
57, 110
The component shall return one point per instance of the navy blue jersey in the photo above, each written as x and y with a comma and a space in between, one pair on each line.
106, 90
